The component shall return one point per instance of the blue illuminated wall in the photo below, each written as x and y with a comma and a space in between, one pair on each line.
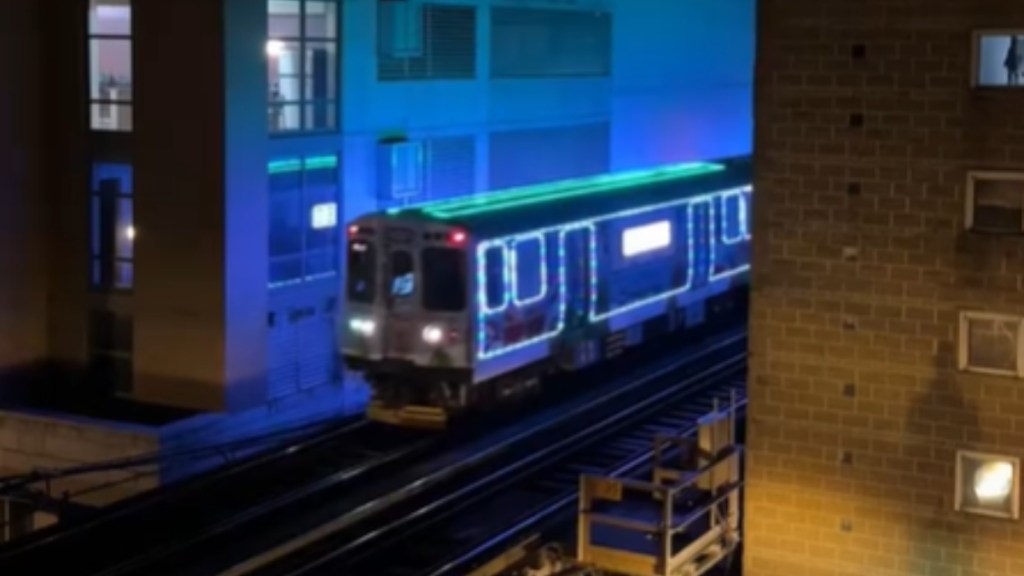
683, 84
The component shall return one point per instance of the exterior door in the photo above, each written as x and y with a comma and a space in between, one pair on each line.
401, 291
577, 275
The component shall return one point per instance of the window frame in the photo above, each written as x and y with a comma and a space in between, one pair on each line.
302, 40
307, 163
428, 277
973, 176
963, 343
103, 219
976, 37
960, 488
93, 103
371, 269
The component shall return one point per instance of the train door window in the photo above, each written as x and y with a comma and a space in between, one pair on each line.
731, 219
528, 270
444, 280
362, 268
496, 273
403, 274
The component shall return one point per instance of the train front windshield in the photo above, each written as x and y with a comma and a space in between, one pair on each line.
362, 268
444, 280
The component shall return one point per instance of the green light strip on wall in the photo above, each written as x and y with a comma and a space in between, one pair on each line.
548, 192
295, 165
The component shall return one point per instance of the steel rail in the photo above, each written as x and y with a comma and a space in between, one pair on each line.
164, 518
283, 559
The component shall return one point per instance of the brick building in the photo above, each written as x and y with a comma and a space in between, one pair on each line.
886, 401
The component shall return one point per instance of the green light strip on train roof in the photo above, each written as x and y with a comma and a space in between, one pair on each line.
541, 193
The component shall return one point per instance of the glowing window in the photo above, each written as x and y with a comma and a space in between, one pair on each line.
324, 215
987, 484
110, 65
647, 238
302, 61
112, 234
303, 227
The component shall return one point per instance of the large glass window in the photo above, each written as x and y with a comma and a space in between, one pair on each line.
362, 272
110, 65
112, 227
992, 343
444, 280
302, 65
303, 219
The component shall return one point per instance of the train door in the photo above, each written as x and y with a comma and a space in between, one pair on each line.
577, 276
400, 289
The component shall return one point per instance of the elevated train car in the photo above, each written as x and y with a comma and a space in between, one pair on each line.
459, 304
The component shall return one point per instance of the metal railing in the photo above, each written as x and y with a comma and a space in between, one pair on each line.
687, 544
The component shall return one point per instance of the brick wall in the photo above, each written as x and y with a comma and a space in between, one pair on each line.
860, 270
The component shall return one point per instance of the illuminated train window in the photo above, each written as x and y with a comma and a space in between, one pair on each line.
988, 484
647, 238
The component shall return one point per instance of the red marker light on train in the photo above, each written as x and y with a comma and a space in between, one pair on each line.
353, 230
457, 237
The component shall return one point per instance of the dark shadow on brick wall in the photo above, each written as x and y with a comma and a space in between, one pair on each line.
944, 415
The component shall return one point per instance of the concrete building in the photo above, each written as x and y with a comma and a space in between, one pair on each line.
886, 398
175, 174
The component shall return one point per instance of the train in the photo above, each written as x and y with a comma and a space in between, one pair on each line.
459, 305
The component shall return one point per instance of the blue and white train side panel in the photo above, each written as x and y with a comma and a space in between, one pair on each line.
541, 289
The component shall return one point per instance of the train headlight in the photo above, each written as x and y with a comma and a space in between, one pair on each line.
362, 326
432, 334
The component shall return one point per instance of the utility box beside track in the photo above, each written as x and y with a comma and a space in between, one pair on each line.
685, 521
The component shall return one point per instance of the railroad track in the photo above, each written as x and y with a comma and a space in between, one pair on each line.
215, 502
428, 531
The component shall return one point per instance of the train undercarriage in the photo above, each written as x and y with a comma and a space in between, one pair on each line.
411, 396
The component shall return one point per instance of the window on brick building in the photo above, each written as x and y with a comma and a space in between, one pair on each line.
539, 43
987, 484
991, 344
998, 59
995, 202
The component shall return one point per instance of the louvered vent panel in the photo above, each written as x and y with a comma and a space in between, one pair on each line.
425, 41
